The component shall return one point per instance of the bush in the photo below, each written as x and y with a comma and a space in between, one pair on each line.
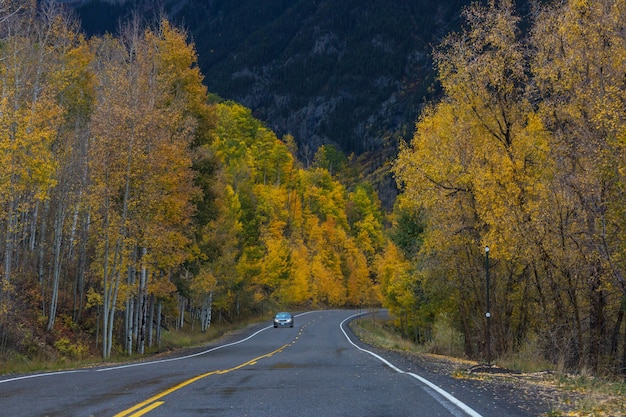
73, 350
446, 339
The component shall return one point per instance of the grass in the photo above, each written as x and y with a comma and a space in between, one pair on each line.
378, 334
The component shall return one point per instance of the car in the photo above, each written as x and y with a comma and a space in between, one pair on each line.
283, 319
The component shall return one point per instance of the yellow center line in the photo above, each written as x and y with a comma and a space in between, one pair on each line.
152, 403
149, 408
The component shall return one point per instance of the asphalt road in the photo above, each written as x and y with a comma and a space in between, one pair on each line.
314, 369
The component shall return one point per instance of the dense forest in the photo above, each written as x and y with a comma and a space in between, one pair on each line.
135, 199
129, 197
525, 155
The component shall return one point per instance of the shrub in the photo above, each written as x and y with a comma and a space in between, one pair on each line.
446, 340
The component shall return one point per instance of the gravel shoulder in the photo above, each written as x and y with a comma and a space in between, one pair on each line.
496, 390
520, 394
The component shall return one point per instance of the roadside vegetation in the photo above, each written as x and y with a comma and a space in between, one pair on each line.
174, 341
523, 155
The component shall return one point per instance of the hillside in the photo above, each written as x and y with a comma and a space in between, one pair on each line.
353, 73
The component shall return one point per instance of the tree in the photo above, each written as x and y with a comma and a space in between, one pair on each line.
477, 165
522, 154
578, 67
29, 121
144, 129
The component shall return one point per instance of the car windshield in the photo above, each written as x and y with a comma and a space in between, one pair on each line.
283, 316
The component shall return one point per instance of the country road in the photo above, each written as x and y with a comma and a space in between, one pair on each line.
317, 368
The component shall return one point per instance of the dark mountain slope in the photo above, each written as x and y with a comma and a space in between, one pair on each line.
348, 72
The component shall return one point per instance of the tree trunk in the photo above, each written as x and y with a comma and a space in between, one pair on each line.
596, 324
158, 324
82, 267
142, 299
42, 254
617, 328
129, 324
131, 306
11, 225
151, 321
207, 306
182, 301
56, 269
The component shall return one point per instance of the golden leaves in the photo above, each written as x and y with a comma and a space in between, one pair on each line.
525, 154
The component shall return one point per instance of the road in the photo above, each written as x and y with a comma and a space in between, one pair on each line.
315, 369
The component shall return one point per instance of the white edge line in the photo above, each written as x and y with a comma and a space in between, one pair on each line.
144, 363
19, 378
204, 352
461, 405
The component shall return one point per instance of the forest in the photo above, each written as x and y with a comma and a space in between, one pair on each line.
132, 200
135, 200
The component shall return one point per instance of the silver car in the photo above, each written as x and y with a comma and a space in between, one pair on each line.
283, 319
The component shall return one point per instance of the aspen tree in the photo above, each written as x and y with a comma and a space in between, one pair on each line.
110, 153
29, 120
579, 68
478, 167
66, 56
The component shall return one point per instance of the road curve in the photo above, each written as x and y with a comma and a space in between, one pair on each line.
314, 369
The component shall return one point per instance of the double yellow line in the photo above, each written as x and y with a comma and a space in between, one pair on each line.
152, 402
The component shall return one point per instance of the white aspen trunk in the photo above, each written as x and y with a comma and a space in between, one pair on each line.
8, 243
128, 324
207, 311
105, 289
83, 141
137, 318
182, 301
111, 288
203, 311
143, 298
142, 332
131, 305
32, 238
42, 254
158, 324
210, 312
80, 271
56, 269
70, 254
118, 257
151, 321
110, 300
112, 313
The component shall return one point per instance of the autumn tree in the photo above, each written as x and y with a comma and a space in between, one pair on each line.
130, 195
526, 162
143, 128
578, 68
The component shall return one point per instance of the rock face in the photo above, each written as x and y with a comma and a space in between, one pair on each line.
349, 73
